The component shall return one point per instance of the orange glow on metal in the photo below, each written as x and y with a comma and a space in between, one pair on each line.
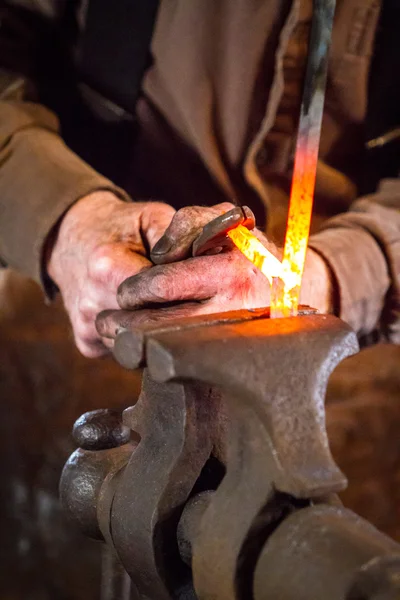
285, 287
285, 277
285, 298
256, 252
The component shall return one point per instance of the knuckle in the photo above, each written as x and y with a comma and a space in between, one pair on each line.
188, 214
160, 284
224, 206
188, 210
161, 206
87, 309
102, 263
159, 209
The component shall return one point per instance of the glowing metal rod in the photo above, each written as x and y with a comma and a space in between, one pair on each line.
286, 292
256, 252
285, 278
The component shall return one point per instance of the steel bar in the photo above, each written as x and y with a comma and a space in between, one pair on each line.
285, 298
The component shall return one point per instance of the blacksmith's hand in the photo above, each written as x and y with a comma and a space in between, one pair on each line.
100, 242
180, 285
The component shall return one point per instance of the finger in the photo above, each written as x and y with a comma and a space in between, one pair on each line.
92, 347
185, 227
186, 280
155, 219
108, 268
111, 322
196, 279
215, 232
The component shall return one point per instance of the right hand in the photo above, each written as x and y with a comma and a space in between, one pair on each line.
183, 286
100, 242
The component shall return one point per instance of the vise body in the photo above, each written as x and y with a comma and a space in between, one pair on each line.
219, 484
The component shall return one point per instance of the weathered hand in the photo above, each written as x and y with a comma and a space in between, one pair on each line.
100, 242
205, 284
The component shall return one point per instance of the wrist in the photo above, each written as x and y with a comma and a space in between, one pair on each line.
87, 208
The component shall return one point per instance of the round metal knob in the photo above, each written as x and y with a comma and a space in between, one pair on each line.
104, 448
100, 430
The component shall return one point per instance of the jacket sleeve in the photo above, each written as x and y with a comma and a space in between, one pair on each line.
40, 178
362, 248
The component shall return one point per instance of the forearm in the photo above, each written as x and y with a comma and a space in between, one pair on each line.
40, 178
362, 248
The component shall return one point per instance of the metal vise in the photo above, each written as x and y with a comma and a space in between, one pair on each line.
219, 483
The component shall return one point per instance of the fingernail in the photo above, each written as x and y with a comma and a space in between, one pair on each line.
163, 245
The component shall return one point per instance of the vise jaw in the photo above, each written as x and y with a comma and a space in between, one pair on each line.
227, 489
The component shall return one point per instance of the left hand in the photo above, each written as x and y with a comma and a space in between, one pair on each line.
205, 284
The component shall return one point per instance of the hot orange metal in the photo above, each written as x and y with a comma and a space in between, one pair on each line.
286, 280
285, 294
285, 277
256, 252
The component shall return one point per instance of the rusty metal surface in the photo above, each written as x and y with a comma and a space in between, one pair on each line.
247, 395
115, 581
100, 430
43, 556
321, 547
274, 375
278, 370
105, 449
175, 424
129, 347
377, 580
189, 524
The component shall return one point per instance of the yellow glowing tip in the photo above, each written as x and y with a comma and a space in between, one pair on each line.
256, 252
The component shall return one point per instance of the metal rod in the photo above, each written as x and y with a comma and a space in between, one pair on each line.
284, 297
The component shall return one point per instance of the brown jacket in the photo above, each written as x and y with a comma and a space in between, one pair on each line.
219, 106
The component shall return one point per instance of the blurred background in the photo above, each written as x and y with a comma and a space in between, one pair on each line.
45, 385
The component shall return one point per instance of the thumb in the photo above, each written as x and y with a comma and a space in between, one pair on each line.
155, 218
